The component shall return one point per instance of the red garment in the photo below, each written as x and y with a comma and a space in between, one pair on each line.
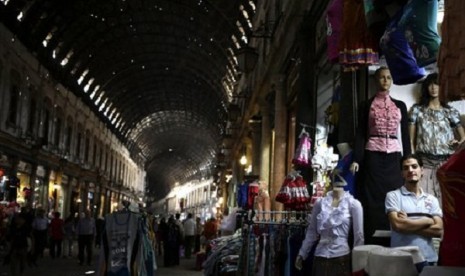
357, 46
210, 229
252, 192
451, 177
294, 193
56, 229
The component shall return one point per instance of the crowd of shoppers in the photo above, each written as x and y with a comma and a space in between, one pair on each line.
26, 233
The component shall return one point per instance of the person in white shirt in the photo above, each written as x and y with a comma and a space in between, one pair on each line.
189, 232
415, 216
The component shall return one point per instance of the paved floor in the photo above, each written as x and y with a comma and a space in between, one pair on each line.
70, 267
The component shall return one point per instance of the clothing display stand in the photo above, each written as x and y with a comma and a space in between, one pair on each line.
126, 245
270, 245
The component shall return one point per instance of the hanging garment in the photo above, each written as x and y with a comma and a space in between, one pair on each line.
399, 56
334, 24
451, 176
376, 17
242, 193
419, 20
119, 237
450, 57
294, 193
252, 192
357, 46
145, 259
303, 155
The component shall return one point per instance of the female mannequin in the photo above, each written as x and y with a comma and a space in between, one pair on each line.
263, 204
377, 153
329, 225
432, 127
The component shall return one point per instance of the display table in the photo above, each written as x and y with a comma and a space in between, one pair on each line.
442, 271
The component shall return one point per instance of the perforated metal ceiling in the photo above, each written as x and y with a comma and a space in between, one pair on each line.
160, 73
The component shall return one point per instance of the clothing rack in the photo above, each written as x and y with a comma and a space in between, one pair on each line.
276, 234
281, 217
274, 217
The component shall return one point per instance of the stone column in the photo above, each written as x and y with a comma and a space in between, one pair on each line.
32, 184
265, 145
44, 193
280, 141
255, 126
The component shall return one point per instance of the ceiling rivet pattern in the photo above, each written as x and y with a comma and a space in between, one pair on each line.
154, 71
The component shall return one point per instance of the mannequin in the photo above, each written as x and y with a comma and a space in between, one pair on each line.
329, 225
434, 126
262, 201
377, 153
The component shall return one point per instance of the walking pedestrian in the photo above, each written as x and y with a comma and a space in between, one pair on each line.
69, 232
85, 230
56, 235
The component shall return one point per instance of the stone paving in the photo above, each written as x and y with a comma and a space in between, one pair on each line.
70, 267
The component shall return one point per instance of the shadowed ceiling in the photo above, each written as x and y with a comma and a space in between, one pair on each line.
160, 74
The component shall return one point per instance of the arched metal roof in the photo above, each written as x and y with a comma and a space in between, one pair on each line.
158, 72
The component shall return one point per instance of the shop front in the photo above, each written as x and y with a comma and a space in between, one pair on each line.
22, 191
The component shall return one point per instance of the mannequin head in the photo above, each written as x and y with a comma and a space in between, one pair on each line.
383, 79
343, 149
430, 89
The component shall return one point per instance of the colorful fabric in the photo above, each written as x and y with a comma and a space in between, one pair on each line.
334, 25
434, 129
398, 54
383, 122
362, 134
419, 21
252, 193
294, 193
357, 46
303, 153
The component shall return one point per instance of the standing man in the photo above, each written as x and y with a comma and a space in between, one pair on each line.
198, 233
414, 215
189, 232
85, 231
